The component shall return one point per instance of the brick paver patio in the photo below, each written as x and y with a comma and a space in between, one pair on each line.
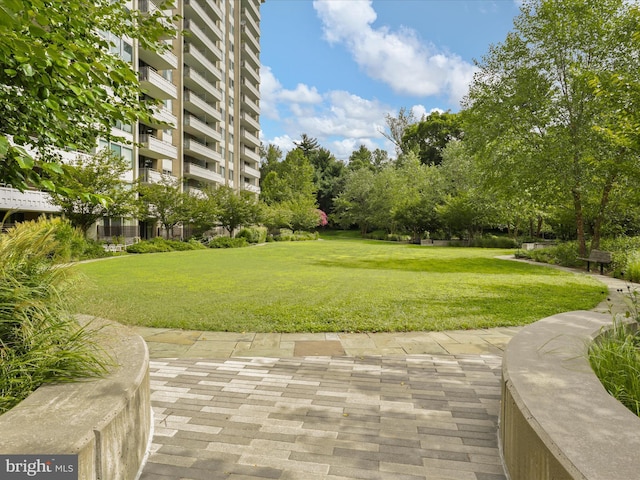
413, 417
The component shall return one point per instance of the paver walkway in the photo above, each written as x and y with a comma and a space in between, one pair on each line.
328, 406
413, 417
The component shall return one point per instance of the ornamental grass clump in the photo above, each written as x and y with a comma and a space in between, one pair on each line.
615, 357
40, 341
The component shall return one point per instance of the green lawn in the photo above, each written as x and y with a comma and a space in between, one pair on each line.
330, 285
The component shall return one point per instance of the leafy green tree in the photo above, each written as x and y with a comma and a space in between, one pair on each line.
164, 202
328, 178
431, 135
415, 210
101, 174
60, 87
233, 209
291, 178
354, 205
270, 157
532, 114
304, 213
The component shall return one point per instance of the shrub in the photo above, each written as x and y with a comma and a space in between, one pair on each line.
227, 242
389, 237
253, 234
158, 244
286, 235
493, 242
40, 341
565, 254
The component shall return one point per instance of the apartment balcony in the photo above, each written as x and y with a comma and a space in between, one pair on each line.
249, 55
27, 201
250, 25
149, 175
250, 105
202, 174
198, 128
250, 171
152, 147
250, 39
200, 150
249, 120
194, 10
250, 88
250, 72
202, 39
195, 104
250, 154
214, 9
162, 114
197, 83
155, 85
251, 9
251, 188
194, 57
160, 61
150, 7
249, 138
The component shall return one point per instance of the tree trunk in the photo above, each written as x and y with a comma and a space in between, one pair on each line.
539, 229
577, 205
604, 202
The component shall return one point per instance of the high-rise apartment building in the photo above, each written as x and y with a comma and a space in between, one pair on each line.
209, 84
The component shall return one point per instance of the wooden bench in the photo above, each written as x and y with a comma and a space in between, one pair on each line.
597, 256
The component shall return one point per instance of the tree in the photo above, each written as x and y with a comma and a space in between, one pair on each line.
354, 205
60, 87
291, 177
101, 174
328, 177
431, 135
164, 202
270, 157
532, 114
307, 144
361, 158
233, 209
397, 126
415, 209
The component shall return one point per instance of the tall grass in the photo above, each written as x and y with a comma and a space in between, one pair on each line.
40, 341
615, 358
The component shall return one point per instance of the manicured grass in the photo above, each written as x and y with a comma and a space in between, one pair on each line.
330, 285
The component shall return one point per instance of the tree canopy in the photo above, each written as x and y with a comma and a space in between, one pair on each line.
532, 114
62, 82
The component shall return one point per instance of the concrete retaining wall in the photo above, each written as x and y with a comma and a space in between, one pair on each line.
106, 421
557, 421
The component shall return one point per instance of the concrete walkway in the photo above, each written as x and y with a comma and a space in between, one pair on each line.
418, 405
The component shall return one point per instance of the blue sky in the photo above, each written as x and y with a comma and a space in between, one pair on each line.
333, 68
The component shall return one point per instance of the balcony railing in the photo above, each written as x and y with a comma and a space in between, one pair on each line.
156, 85
27, 201
250, 171
201, 173
197, 127
155, 148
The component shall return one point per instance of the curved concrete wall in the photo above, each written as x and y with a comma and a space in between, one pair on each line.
106, 421
557, 421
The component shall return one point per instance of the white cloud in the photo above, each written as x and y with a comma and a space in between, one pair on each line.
400, 59
272, 93
284, 142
